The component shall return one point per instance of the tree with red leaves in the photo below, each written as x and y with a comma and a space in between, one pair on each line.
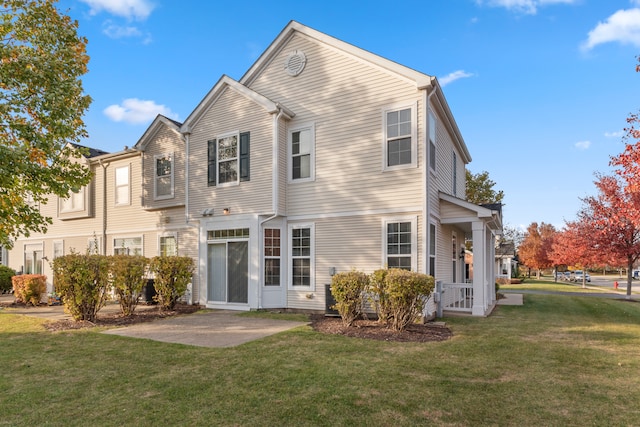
536, 247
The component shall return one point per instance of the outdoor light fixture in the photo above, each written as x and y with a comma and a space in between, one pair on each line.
462, 252
225, 211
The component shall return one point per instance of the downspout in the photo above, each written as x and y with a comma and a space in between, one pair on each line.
427, 181
104, 207
276, 194
187, 134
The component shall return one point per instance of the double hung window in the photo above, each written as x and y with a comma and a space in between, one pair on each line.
400, 137
228, 159
122, 186
400, 243
301, 153
164, 177
272, 257
301, 256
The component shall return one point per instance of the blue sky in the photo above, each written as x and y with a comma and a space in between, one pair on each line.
540, 89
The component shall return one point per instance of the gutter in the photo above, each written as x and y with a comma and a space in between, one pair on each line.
427, 180
104, 206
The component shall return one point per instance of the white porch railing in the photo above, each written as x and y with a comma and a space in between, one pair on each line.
454, 297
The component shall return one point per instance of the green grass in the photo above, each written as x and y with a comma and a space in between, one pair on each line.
550, 285
556, 361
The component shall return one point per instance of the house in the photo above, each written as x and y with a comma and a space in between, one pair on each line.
135, 204
322, 158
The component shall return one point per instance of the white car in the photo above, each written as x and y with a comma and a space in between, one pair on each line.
577, 277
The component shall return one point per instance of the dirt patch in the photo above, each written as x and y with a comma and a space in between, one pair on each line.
372, 329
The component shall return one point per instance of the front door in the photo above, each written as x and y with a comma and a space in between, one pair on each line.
228, 272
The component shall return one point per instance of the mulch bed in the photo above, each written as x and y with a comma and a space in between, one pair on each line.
372, 329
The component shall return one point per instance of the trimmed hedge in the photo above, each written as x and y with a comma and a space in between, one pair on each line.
348, 290
6, 273
128, 277
29, 288
172, 277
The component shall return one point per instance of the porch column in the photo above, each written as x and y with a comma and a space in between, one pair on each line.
479, 237
491, 273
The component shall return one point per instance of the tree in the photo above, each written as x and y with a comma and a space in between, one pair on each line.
536, 247
41, 108
480, 189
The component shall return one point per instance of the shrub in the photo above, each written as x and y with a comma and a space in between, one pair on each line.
83, 283
378, 294
348, 290
6, 274
406, 293
172, 276
29, 288
128, 277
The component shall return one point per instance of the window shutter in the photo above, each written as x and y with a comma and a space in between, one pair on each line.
211, 157
244, 156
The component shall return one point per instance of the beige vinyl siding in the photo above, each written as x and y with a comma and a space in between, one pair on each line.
347, 243
166, 141
282, 165
344, 98
233, 112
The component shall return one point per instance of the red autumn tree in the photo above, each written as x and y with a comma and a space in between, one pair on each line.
536, 247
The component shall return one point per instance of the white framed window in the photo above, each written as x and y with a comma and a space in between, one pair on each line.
163, 176
302, 153
58, 248
75, 202
33, 258
272, 253
432, 141
400, 239
301, 256
400, 136
127, 246
168, 244
122, 187
432, 249
94, 245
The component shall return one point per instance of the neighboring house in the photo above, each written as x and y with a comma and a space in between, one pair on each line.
322, 158
506, 262
135, 204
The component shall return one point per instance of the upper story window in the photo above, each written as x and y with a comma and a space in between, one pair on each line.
455, 174
164, 176
432, 141
400, 138
228, 159
75, 202
302, 153
122, 192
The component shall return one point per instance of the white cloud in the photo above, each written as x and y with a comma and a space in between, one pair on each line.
583, 145
452, 77
623, 26
528, 7
130, 9
618, 134
137, 111
116, 31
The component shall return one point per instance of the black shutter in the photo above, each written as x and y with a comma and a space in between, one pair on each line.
211, 157
244, 156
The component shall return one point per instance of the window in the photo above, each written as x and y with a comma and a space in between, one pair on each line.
432, 141
75, 202
272, 257
33, 258
228, 159
163, 185
58, 248
122, 186
127, 246
168, 245
301, 152
94, 245
400, 137
400, 246
432, 249
455, 174
301, 261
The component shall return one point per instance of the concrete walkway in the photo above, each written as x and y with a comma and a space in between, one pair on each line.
207, 328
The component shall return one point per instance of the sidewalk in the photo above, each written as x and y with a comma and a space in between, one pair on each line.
206, 328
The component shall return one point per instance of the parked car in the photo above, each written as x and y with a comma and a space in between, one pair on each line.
577, 277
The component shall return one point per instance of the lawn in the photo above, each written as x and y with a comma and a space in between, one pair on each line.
556, 361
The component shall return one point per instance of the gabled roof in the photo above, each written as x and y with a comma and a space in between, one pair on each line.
473, 212
421, 80
218, 89
93, 152
158, 123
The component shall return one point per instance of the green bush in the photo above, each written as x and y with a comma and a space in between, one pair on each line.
128, 277
406, 293
348, 289
6, 274
29, 288
172, 276
378, 294
82, 281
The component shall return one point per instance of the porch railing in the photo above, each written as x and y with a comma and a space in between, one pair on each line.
454, 297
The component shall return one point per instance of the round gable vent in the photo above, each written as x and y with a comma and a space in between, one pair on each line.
295, 62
